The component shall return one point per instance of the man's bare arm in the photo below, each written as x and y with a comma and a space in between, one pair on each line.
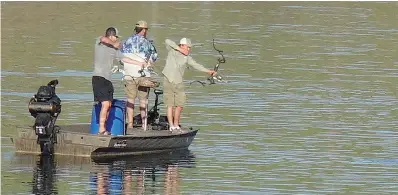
200, 67
131, 61
107, 41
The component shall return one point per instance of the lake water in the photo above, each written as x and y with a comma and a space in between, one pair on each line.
310, 106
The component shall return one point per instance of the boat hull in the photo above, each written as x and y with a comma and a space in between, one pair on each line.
76, 140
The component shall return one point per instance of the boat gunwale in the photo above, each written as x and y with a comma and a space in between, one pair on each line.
139, 133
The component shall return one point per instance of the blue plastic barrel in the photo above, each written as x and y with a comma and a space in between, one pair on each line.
116, 119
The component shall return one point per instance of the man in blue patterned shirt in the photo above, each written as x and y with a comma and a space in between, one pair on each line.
138, 48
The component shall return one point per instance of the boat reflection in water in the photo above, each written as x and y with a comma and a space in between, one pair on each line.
48, 170
145, 174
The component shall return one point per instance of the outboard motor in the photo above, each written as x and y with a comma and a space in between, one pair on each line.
45, 106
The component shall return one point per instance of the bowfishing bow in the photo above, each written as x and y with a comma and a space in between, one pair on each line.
213, 78
221, 60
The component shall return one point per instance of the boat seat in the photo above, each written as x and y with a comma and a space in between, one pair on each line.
158, 91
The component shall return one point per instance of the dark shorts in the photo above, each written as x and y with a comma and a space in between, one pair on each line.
102, 88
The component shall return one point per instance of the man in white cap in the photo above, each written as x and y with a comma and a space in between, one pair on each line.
173, 88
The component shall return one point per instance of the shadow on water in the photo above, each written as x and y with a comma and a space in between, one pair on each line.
145, 174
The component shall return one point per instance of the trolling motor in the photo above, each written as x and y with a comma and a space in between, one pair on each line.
45, 107
156, 121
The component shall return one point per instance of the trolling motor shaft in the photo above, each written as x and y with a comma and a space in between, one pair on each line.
155, 120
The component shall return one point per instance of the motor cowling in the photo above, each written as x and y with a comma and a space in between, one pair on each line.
51, 106
45, 100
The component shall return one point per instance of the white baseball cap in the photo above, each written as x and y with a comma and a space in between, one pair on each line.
186, 41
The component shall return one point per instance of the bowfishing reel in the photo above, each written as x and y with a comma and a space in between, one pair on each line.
213, 79
45, 106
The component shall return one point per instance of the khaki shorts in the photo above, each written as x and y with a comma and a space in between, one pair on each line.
133, 90
173, 94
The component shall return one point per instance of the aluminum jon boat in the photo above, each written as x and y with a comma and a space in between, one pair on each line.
46, 138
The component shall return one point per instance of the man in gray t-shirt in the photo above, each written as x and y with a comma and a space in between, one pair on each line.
104, 57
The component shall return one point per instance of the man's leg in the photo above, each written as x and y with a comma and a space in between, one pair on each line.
170, 115
180, 103
177, 115
169, 99
131, 90
105, 108
130, 113
103, 93
143, 112
143, 94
